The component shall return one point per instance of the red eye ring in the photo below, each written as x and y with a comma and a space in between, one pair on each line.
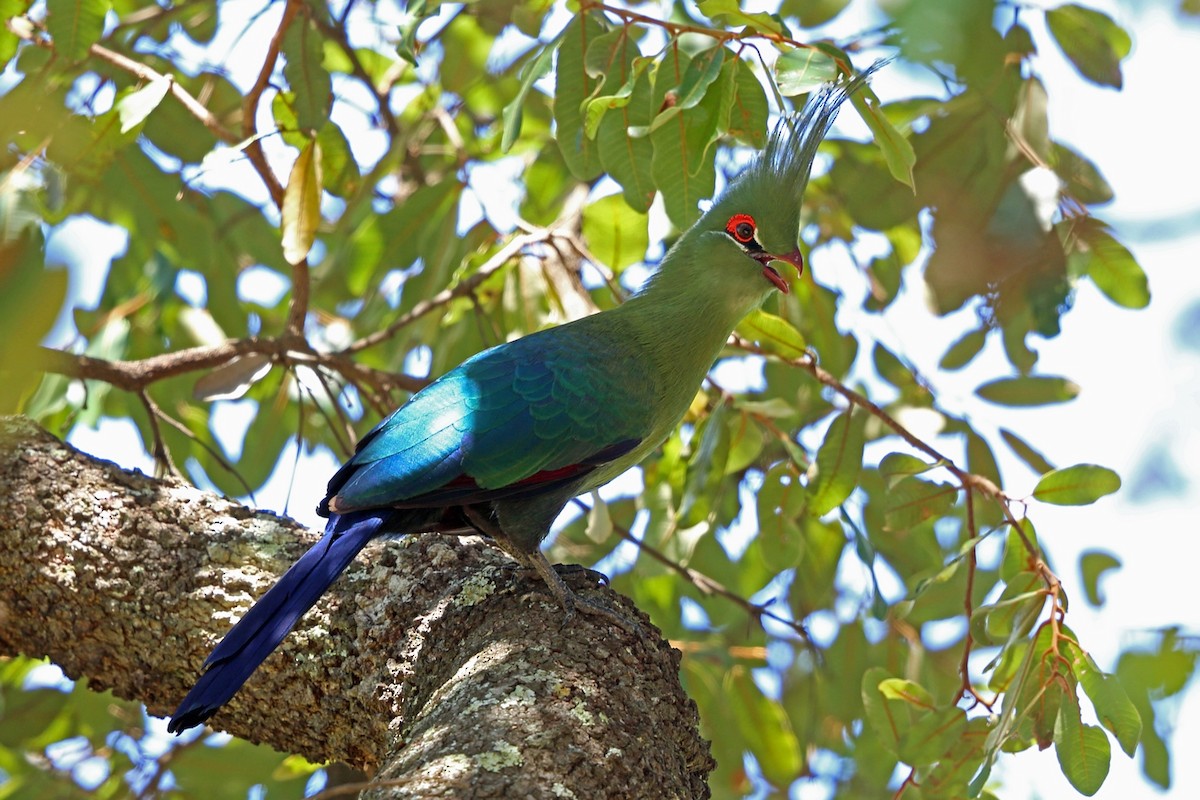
741, 227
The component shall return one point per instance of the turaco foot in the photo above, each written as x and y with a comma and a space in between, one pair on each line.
549, 574
571, 572
572, 602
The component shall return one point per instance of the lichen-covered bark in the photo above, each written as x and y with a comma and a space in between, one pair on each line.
432, 662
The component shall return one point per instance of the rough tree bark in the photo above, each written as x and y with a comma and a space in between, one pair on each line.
432, 664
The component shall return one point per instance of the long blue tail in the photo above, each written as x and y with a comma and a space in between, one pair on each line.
258, 633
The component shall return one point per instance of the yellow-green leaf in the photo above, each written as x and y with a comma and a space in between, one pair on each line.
75, 25
537, 68
1091, 41
302, 204
1111, 266
1024, 451
1079, 485
1113, 707
965, 349
573, 85
1028, 390
913, 501
774, 334
897, 466
897, 150
616, 234
838, 463
306, 75
1083, 179
804, 69
1083, 750
729, 12
1092, 566
681, 165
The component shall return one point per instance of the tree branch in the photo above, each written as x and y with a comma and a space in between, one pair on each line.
134, 376
26, 31
433, 661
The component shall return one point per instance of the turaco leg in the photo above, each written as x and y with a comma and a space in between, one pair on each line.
570, 601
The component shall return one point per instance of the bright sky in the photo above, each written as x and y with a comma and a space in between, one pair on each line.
1139, 371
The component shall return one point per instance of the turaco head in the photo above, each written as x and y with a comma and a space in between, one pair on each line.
736, 247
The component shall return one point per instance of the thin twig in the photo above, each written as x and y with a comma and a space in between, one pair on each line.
250, 103
212, 451
29, 33
162, 457
706, 584
134, 376
720, 34
969, 608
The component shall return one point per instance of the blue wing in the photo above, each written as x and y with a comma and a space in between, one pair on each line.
522, 417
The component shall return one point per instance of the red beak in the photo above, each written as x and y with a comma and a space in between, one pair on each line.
770, 273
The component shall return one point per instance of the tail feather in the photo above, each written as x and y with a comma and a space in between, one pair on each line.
269, 620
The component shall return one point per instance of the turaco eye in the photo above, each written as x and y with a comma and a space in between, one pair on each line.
741, 227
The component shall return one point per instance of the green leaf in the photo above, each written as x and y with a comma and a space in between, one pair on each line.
812, 13
773, 333
681, 167
233, 768
9, 41
802, 70
627, 158
964, 350
907, 720
1113, 707
1080, 485
1024, 451
1017, 557
1028, 391
1014, 613
339, 169
897, 150
1083, 179
913, 501
137, 105
766, 729
749, 110
1083, 750
30, 301
896, 466
536, 69
616, 58
729, 12
701, 73
1092, 566
1091, 41
980, 458
75, 25
306, 75
745, 442
301, 212
706, 468
615, 233
1110, 265
573, 85
932, 734
838, 463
